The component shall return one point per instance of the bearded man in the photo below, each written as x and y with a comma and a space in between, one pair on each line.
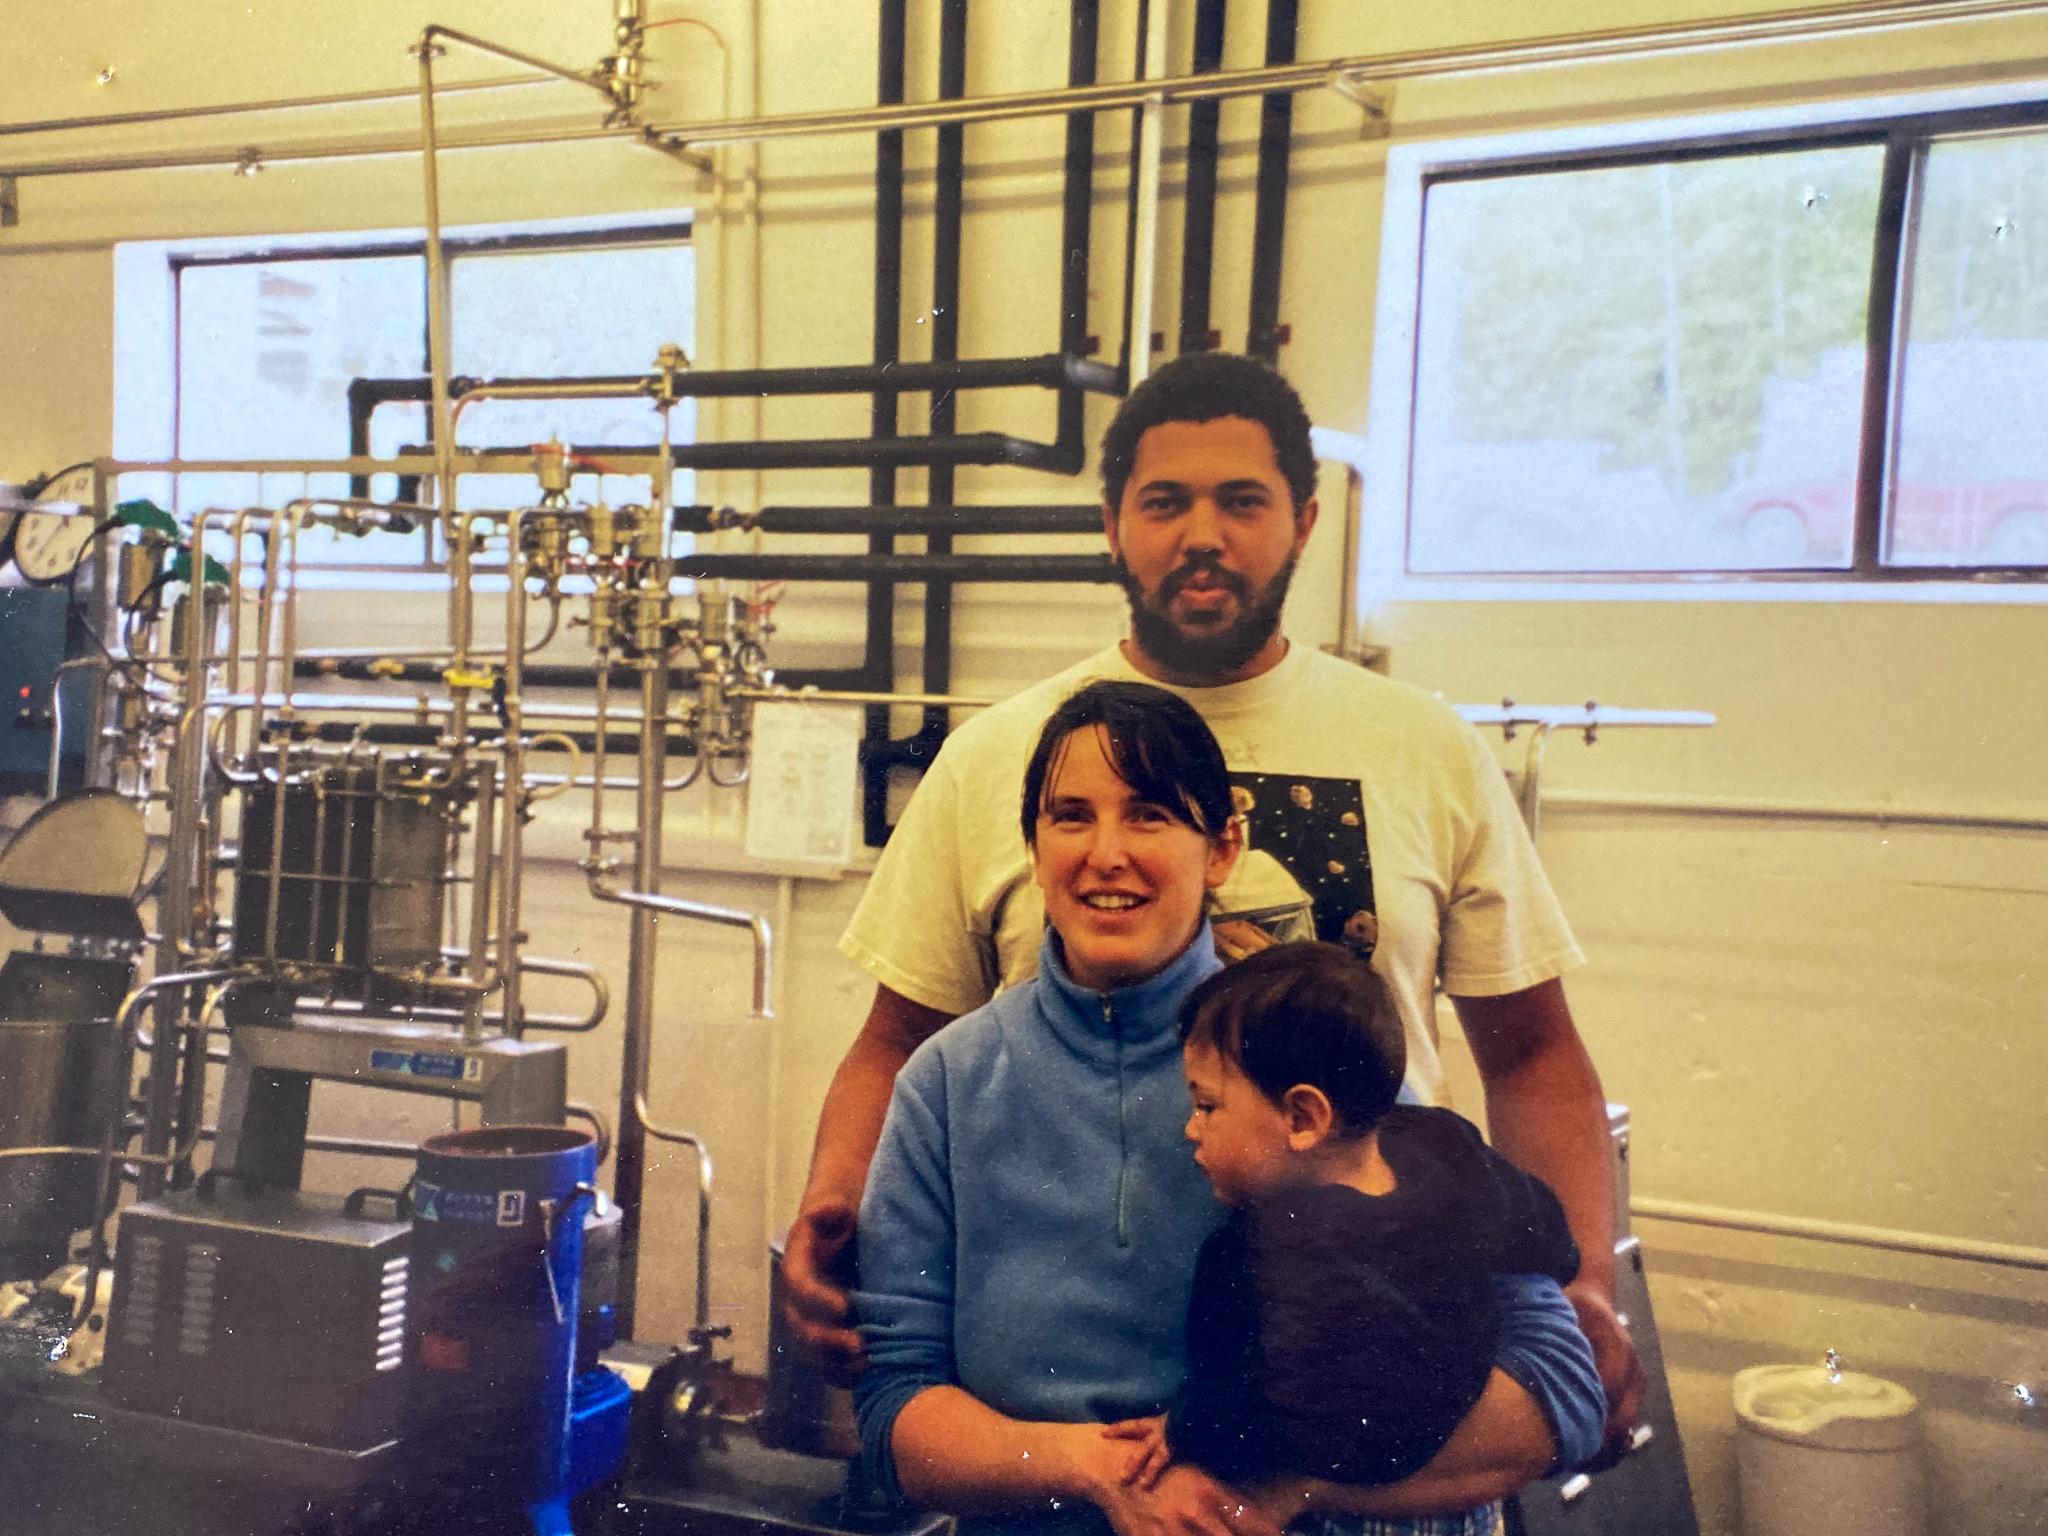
1376, 797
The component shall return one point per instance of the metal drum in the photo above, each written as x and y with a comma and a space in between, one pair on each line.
56, 1089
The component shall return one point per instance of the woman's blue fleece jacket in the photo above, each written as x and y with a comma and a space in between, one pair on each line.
1033, 1214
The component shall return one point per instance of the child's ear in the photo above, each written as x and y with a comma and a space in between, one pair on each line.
1310, 1117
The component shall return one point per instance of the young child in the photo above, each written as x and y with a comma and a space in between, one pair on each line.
1341, 1323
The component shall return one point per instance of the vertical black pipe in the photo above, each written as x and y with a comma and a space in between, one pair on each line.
1269, 221
878, 665
1131, 196
1084, 26
949, 171
1198, 219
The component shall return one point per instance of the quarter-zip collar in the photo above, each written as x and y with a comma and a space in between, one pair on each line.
1129, 1026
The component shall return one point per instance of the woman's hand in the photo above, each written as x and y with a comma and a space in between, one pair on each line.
1149, 1455
1185, 1501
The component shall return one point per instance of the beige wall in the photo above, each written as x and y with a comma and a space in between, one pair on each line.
1833, 1020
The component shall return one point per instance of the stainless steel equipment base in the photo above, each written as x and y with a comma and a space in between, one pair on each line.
745, 1489
271, 1070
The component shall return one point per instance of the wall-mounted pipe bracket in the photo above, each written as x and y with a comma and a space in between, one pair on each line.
1376, 102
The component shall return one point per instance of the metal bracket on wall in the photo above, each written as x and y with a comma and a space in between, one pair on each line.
10, 202
1376, 102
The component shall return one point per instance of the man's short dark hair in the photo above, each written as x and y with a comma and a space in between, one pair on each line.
1201, 386
1156, 743
1304, 1013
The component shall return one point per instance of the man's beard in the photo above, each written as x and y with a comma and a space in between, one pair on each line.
1210, 653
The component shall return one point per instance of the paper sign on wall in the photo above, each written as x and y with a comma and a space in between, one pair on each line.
801, 782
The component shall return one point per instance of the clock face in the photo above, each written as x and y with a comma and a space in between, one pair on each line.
10, 516
52, 537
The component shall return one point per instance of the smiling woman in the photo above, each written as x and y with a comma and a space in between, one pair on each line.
1132, 829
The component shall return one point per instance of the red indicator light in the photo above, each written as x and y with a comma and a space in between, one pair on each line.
24, 690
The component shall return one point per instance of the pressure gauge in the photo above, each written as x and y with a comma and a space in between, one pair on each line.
12, 504
50, 539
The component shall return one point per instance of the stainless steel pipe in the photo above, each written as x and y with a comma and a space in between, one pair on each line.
1811, 22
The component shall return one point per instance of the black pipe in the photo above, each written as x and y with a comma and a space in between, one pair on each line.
359, 408
396, 733
1068, 372
1198, 216
938, 569
1131, 199
1085, 517
535, 674
1263, 331
364, 396
878, 666
949, 175
1051, 370
1076, 205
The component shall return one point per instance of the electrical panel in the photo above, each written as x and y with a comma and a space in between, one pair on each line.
33, 642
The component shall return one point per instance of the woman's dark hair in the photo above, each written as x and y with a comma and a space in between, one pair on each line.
1201, 386
1304, 1013
1156, 743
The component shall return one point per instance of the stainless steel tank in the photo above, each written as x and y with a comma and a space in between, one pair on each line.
57, 1088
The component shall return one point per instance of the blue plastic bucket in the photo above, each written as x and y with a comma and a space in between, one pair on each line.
497, 1255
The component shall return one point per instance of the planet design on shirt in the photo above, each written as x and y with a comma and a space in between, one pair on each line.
1307, 869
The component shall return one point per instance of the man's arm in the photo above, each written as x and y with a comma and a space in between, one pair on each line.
1502, 1445
816, 1303
1548, 1115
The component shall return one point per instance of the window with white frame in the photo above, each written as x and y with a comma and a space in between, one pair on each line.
1819, 352
268, 344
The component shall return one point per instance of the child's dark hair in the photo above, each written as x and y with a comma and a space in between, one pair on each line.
1202, 386
1156, 743
1304, 1013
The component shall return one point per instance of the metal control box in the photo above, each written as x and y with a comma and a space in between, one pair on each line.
275, 1312
33, 624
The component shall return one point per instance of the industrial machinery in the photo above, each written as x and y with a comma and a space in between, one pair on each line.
335, 896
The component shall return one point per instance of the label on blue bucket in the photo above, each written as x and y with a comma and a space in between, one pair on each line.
468, 1207
442, 1064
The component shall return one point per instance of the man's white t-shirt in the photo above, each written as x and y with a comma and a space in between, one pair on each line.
1378, 803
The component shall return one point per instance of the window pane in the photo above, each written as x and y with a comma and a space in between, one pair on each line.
266, 352
1970, 485
1643, 367
566, 314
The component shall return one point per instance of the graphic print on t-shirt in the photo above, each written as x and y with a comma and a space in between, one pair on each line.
1306, 871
